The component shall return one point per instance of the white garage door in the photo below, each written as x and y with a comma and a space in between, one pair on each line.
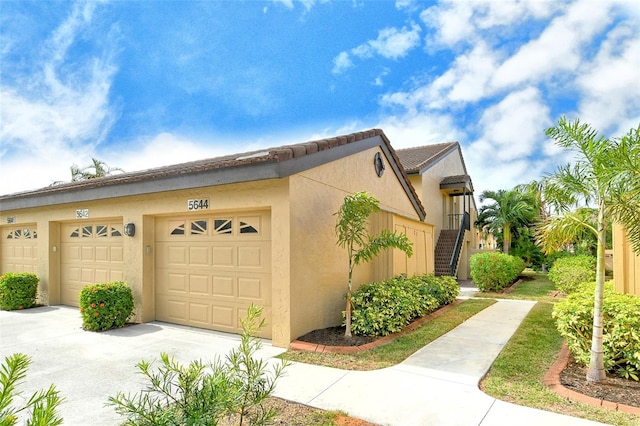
18, 249
90, 253
209, 269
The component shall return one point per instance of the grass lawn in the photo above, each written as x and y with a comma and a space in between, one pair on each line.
399, 349
517, 374
532, 286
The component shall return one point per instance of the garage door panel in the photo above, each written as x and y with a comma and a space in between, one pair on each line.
102, 254
101, 275
199, 285
223, 257
177, 256
224, 317
199, 312
210, 268
222, 286
117, 254
199, 256
250, 288
177, 283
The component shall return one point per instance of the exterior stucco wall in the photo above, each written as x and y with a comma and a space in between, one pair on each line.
439, 205
319, 267
139, 261
626, 264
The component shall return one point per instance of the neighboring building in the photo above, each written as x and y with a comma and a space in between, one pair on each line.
626, 264
198, 242
439, 174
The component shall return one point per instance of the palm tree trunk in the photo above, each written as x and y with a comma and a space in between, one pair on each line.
506, 238
596, 372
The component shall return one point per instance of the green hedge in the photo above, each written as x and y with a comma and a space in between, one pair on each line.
494, 271
18, 290
105, 306
569, 272
621, 325
382, 308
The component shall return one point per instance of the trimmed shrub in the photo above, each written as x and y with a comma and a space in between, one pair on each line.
621, 340
18, 290
385, 307
105, 306
494, 271
567, 273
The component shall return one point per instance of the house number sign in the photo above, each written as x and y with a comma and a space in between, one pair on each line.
82, 214
198, 204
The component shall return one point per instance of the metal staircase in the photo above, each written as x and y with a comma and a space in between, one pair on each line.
449, 246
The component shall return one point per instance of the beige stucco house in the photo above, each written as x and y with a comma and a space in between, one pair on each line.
198, 242
626, 264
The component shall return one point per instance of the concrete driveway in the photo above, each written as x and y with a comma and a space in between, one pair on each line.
88, 367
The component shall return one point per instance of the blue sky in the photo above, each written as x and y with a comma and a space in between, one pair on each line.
151, 83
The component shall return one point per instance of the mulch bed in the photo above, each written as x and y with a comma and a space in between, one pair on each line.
614, 389
334, 336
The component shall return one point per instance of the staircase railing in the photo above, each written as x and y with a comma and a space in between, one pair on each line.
464, 226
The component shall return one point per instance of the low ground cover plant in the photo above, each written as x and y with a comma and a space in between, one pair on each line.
494, 271
40, 408
234, 390
621, 340
569, 272
18, 290
105, 306
385, 307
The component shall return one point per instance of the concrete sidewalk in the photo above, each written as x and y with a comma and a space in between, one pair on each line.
438, 385
435, 386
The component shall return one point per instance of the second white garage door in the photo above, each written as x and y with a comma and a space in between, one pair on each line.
209, 269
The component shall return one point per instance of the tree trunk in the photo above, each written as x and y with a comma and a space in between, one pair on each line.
506, 238
347, 328
596, 372
347, 315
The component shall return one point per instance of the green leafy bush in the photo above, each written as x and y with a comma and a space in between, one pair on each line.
382, 308
18, 290
494, 271
621, 325
42, 404
206, 394
105, 306
567, 273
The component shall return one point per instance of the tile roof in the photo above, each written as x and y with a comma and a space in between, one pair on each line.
458, 179
253, 158
418, 158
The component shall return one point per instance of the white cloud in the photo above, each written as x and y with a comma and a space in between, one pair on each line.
60, 113
514, 126
611, 83
560, 47
391, 43
422, 129
166, 149
341, 63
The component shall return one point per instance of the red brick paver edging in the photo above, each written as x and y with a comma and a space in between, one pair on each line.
552, 381
298, 345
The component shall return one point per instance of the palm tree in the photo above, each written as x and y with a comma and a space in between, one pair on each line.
625, 203
351, 230
96, 170
509, 211
603, 175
